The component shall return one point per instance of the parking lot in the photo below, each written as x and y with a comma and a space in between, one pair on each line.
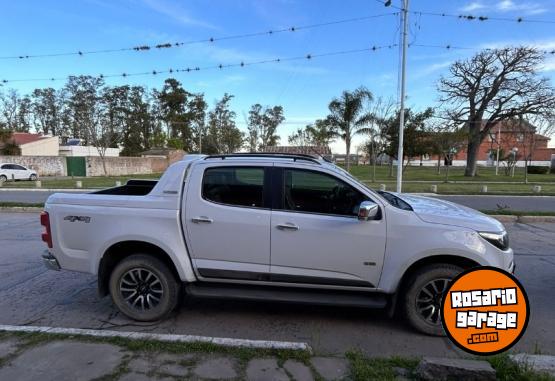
32, 295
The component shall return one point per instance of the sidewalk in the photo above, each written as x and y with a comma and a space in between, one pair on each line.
40, 356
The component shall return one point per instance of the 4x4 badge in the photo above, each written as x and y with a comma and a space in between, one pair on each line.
85, 219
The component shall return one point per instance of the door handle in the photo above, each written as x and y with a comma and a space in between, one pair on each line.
202, 220
287, 226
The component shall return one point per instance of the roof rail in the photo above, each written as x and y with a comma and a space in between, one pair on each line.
294, 157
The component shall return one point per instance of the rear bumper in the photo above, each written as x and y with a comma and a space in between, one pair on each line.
50, 261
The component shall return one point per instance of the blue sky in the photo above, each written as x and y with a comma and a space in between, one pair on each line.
304, 88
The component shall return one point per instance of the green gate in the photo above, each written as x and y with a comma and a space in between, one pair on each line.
76, 166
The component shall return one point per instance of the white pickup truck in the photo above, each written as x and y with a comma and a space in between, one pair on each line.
289, 228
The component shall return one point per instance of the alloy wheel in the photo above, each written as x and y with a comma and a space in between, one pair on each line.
141, 289
428, 300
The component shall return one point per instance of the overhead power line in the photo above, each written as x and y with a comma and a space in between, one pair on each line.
253, 63
467, 16
193, 69
169, 45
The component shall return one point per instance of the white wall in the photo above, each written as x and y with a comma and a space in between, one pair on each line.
43, 147
86, 151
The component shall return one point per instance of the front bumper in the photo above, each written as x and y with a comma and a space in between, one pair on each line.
50, 261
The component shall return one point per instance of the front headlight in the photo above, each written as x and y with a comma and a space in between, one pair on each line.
499, 240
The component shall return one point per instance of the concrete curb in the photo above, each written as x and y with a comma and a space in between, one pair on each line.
524, 219
228, 342
20, 209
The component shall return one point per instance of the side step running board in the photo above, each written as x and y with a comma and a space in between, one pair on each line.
287, 295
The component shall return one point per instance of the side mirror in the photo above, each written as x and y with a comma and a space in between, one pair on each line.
368, 210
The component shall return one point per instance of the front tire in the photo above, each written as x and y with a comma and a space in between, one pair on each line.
144, 288
33, 177
423, 296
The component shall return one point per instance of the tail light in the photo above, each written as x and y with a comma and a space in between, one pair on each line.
47, 234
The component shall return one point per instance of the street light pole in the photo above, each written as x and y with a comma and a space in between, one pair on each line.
400, 154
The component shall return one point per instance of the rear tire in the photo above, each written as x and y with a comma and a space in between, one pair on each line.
3, 179
144, 288
423, 295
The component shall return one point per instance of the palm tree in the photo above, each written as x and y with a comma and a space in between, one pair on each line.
349, 115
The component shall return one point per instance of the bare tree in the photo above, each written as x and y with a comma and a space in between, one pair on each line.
493, 86
381, 111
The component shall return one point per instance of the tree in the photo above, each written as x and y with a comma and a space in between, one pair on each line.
349, 114
47, 108
321, 133
197, 108
83, 106
141, 128
381, 112
10, 105
300, 138
24, 114
7, 145
262, 125
223, 136
173, 100
493, 86
445, 138
415, 141
115, 111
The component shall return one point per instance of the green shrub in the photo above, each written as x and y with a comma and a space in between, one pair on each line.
538, 169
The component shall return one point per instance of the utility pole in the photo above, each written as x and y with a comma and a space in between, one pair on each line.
498, 146
400, 154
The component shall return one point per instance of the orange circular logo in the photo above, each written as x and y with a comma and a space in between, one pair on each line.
485, 311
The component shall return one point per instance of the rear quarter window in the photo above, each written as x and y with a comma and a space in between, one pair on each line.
235, 186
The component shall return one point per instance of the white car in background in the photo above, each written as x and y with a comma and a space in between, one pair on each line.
10, 171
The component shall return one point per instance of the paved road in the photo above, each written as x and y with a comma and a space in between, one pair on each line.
30, 294
520, 203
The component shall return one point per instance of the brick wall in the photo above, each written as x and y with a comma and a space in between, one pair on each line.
44, 165
119, 166
116, 166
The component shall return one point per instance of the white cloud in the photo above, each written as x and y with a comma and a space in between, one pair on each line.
176, 13
526, 7
505, 6
473, 6
431, 69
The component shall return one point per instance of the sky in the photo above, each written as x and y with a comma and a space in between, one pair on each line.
304, 87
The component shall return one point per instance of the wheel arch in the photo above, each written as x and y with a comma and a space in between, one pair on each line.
123, 249
463, 262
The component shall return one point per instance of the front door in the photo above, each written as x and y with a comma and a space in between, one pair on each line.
317, 237
227, 220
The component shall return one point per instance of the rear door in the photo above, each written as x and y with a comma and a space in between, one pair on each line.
21, 173
316, 235
227, 219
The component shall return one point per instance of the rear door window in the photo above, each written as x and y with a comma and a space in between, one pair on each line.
236, 186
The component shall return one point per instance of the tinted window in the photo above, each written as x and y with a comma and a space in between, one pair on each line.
6, 166
18, 167
312, 192
243, 186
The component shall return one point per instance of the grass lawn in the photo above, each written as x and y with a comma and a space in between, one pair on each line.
485, 174
415, 180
